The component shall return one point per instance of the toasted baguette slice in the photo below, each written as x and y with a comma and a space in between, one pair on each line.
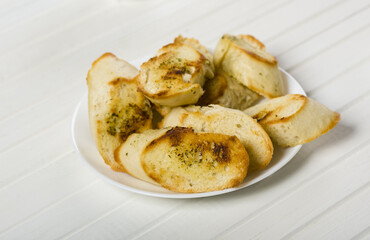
293, 119
183, 161
245, 58
217, 119
175, 76
116, 109
226, 91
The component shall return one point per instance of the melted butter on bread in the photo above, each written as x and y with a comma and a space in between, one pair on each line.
175, 76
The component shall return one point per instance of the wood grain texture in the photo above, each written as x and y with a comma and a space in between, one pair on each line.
47, 192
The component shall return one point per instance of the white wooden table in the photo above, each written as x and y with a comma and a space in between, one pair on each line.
47, 192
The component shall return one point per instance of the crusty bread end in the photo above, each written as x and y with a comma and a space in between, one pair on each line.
293, 119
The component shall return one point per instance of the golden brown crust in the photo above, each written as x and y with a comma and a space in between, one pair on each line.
253, 40
258, 57
181, 39
259, 45
107, 54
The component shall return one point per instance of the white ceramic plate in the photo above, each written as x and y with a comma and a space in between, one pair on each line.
85, 146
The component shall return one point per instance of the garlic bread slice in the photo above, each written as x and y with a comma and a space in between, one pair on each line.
116, 109
184, 161
245, 58
175, 76
293, 119
217, 119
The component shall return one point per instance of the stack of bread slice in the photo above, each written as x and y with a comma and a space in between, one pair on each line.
210, 134
217, 119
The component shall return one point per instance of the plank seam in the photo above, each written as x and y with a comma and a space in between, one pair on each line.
111, 211
158, 221
327, 211
253, 20
37, 169
307, 19
40, 131
328, 48
364, 234
74, 193
324, 30
47, 98
347, 70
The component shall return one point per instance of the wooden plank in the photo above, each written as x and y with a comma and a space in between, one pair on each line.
88, 202
45, 24
23, 11
342, 221
39, 150
38, 117
316, 70
142, 212
365, 234
10, 5
325, 40
338, 91
277, 22
142, 219
38, 191
324, 21
232, 15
